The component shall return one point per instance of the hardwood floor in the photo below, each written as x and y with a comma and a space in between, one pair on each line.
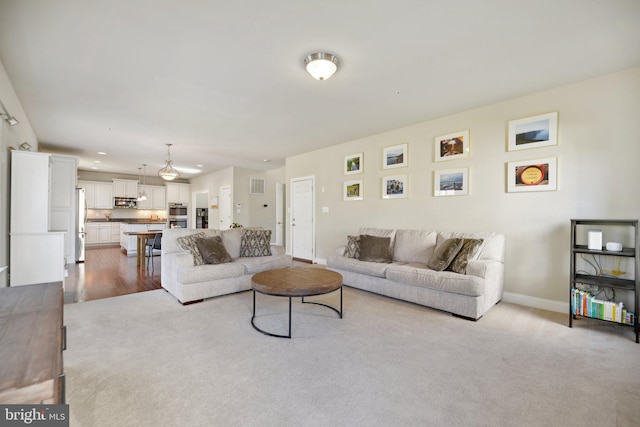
107, 272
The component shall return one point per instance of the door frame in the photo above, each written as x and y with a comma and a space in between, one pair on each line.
194, 198
313, 213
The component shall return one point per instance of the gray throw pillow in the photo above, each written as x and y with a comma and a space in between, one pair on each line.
212, 250
375, 249
444, 254
352, 249
468, 251
188, 244
255, 243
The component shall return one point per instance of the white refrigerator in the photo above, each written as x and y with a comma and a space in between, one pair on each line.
81, 225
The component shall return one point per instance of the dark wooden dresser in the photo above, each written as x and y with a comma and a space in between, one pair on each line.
32, 338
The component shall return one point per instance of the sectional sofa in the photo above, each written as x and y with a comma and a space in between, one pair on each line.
192, 283
468, 293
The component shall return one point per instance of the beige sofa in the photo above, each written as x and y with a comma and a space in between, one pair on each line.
190, 283
408, 278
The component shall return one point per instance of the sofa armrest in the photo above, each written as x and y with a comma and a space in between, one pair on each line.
483, 268
493, 274
340, 250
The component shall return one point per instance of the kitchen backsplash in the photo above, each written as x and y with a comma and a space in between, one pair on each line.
126, 213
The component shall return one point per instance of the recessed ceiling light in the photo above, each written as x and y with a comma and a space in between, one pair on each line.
200, 166
102, 153
266, 161
97, 161
94, 167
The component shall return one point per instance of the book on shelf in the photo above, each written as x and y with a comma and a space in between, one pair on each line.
585, 304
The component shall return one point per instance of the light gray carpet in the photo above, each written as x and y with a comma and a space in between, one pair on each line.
145, 360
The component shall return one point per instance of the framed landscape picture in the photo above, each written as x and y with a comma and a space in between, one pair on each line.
353, 164
353, 190
532, 175
533, 132
394, 187
451, 182
395, 156
452, 146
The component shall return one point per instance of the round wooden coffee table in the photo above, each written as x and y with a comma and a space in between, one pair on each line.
295, 282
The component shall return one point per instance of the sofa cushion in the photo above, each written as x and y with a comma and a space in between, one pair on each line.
188, 244
380, 232
255, 243
491, 249
414, 245
445, 253
445, 281
352, 250
469, 250
231, 239
170, 236
209, 272
375, 249
212, 250
253, 265
375, 269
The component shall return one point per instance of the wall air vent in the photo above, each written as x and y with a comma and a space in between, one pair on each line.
256, 186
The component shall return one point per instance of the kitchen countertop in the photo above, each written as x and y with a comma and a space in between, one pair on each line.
128, 220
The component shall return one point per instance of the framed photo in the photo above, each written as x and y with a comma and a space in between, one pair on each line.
451, 182
395, 156
452, 146
532, 175
353, 164
533, 132
394, 187
353, 190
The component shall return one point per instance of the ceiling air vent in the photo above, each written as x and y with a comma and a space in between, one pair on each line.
256, 186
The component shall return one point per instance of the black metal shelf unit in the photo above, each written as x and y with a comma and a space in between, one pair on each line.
632, 285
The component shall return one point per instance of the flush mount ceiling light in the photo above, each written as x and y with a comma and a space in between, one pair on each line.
8, 117
168, 172
321, 65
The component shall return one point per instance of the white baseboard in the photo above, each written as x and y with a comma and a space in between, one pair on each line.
320, 261
529, 301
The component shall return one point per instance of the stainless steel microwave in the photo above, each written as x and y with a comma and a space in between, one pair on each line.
125, 202
178, 210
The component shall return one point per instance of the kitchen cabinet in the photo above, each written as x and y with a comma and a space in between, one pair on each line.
125, 188
178, 193
156, 199
62, 201
102, 233
99, 195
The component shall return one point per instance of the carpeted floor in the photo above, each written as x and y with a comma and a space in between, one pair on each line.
145, 360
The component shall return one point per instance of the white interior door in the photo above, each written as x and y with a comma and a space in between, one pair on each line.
224, 207
302, 224
279, 213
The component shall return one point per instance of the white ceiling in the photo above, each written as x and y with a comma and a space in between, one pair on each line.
224, 81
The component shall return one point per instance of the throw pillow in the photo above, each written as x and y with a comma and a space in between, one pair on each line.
188, 244
444, 254
468, 251
255, 243
353, 247
375, 249
212, 250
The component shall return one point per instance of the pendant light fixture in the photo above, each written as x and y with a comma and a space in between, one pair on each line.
139, 194
143, 193
168, 172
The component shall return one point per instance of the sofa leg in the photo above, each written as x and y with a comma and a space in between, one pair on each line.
465, 317
192, 302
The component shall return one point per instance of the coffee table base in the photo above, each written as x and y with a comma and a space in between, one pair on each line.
303, 301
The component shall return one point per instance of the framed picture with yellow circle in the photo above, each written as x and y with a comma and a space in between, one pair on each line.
532, 175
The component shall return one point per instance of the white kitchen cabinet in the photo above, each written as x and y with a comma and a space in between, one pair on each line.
125, 188
101, 233
178, 193
62, 201
37, 258
99, 195
29, 192
156, 199
115, 232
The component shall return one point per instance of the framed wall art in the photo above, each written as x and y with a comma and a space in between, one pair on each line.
395, 156
532, 175
353, 190
451, 182
394, 187
353, 164
533, 132
452, 146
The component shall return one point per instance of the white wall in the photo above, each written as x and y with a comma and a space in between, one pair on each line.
10, 137
598, 155
212, 182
